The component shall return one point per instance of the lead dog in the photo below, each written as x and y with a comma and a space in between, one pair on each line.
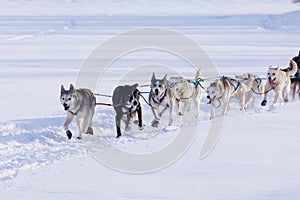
222, 90
187, 91
160, 96
280, 82
79, 103
126, 104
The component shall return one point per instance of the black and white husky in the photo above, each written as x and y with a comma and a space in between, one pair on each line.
79, 103
126, 104
160, 96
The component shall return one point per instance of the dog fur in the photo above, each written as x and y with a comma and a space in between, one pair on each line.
254, 85
186, 92
79, 103
126, 105
160, 96
280, 82
222, 90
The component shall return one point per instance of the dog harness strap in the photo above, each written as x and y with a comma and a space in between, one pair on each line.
235, 87
74, 113
160, 100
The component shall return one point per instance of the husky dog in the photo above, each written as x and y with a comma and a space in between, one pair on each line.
295, 82
254, 85
280, 82
79, 103
222, 90
126, 104
160, 95
187, 91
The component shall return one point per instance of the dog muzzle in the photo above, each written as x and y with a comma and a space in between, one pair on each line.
66, 107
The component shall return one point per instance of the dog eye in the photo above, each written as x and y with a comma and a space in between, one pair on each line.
273, 74
268, 73
159, 85
69, 98
63, 99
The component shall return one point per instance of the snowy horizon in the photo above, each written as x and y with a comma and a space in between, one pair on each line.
146, 8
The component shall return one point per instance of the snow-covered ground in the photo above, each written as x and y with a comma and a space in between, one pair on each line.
44, 46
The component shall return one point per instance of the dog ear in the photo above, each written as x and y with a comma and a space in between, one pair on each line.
72, 88
62, 89
165, 78
277, 68
153, 78
135, 86
219, 86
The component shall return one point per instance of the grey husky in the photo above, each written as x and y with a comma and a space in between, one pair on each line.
79, 103
160, 95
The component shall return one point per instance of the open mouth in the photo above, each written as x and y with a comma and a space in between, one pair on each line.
211, 100
66, 107
272, 82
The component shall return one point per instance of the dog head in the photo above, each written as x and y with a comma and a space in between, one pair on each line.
215, 91
133, 100
158, 86
68, 97
272, 74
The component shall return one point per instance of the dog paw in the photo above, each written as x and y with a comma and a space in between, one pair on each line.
69, 134
128, 128
180, 114
119, 135
141, 127
155, 123
89, 131
264, 103
136, 122
286, 100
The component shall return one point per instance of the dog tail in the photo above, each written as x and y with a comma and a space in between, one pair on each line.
294, 69
198, 73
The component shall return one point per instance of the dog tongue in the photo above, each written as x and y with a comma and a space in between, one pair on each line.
209, 102
272, 82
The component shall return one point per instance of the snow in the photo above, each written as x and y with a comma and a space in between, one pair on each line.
43, 45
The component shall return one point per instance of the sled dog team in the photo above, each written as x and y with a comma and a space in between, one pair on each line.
165, 95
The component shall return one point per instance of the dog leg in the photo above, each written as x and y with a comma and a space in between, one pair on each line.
90, 122
225, 107
66, 125
127, 123
140, 118
170, 112
78, 122
155, 122
278, 96
265, 96
118, 124
177, 104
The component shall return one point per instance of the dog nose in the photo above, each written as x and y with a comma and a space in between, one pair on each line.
208, 97
135, 103
65, 105
156, 91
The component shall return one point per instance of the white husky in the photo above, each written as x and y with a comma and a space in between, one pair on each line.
80, 104
254, 85
187, 91
221, 90
280, 82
